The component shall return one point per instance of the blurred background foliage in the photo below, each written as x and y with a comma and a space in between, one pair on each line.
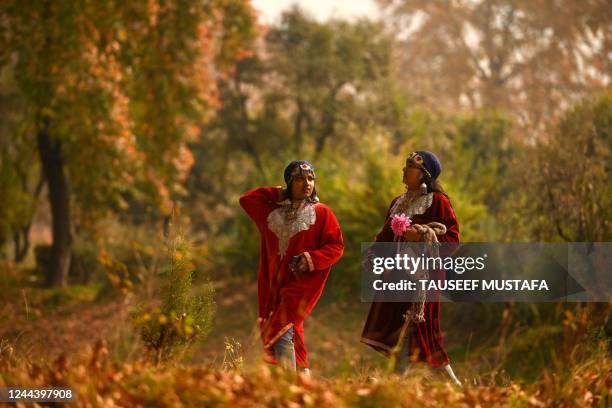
214, 104
113, 113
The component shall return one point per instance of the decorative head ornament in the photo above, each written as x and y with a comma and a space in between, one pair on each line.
426, 161
300, 168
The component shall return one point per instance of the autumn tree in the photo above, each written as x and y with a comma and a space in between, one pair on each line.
531, 59
114, 92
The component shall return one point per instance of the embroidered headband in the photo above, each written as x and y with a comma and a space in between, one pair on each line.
298, 167
426, 161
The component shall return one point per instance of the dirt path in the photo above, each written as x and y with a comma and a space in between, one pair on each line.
43, 336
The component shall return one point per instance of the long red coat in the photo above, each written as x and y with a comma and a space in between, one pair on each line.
385, 323
284, 299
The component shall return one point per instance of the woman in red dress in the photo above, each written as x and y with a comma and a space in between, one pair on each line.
390, 327
300, 241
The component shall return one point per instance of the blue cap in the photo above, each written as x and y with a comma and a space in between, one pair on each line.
427, 161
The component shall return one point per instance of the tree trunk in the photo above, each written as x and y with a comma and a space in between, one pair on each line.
329, 118
59, 198
21, 243
297, 127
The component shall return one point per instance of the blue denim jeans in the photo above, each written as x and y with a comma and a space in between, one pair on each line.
284, 350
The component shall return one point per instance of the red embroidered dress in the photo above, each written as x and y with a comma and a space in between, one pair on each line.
284, 299
385, 322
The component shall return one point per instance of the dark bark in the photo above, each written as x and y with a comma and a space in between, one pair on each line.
56, 272
242, 123
329, 118
298, 126
21, 243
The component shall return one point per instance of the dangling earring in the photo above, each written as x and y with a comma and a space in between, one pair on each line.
423, 188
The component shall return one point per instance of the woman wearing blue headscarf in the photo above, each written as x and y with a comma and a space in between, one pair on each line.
410, 331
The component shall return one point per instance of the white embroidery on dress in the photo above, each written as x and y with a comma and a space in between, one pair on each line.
306, 216
412, 204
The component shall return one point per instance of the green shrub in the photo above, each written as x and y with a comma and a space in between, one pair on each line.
182, 317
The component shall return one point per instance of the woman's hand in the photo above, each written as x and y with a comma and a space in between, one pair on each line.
300, 267
412, 234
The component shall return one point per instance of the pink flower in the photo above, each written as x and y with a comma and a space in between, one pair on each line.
400, 223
